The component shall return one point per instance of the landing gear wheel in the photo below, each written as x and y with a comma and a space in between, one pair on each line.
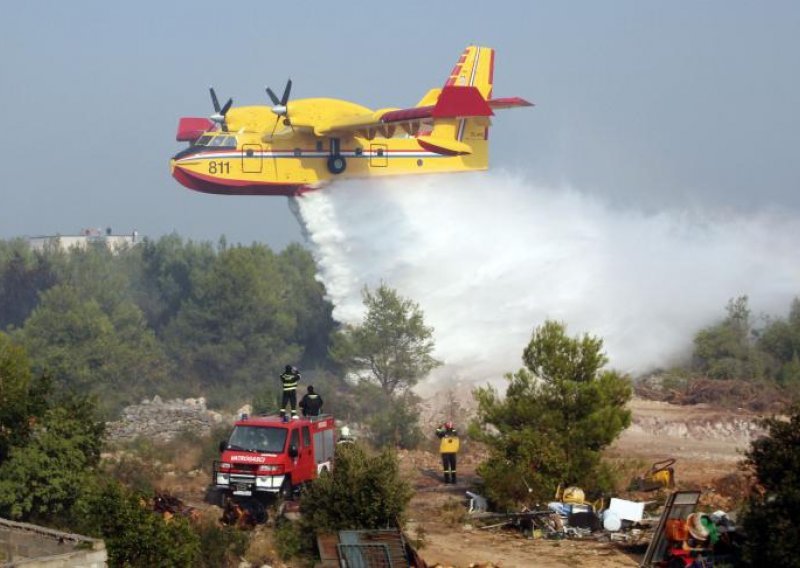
337, 164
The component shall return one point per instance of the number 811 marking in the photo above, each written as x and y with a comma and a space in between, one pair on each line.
219, 167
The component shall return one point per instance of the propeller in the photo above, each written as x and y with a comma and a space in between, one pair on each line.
219, 112
279, 106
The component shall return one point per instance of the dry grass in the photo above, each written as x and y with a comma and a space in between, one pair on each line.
261, 549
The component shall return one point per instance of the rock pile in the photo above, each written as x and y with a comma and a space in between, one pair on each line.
163, 420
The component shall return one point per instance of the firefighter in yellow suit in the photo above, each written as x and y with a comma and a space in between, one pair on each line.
448, 447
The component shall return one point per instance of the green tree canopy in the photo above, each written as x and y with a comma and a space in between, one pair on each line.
168, 271
780, 340
557, 416
305, 300
93, 351
134, 535
727, 350
392, 347
45, 474
24, 274
168, 317
771, 520
235, 327
21, 396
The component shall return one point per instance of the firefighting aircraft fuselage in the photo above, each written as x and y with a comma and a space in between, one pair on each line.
299, 145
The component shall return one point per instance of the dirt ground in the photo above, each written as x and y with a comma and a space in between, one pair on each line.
706, 443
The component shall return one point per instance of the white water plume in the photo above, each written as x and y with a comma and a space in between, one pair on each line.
490, 256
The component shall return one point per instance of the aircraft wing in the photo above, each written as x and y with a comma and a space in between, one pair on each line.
452, 102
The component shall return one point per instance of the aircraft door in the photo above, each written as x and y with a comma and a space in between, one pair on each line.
378, 155
252, 160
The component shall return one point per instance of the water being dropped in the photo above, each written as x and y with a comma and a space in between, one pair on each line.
489, 256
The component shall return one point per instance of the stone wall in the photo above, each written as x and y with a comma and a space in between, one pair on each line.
163, 420
30, 546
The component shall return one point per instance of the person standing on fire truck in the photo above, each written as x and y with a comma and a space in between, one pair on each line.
448, 448
289, 379
311, 403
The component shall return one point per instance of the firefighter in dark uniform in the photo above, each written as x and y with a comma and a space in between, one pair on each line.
289, 380
448, 448
311, 403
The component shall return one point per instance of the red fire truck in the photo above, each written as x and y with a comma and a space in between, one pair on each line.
265, 456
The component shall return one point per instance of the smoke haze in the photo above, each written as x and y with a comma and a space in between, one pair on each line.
489, 256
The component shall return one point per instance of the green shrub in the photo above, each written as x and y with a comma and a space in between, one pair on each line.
220, 546
771, 519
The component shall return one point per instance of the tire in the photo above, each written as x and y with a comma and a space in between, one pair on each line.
287, 491
337, 164
214, 496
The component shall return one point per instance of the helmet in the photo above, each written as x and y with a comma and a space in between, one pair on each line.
448, 425
288, 369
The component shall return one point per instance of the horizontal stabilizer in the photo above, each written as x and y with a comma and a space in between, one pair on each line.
508, 102
444, 146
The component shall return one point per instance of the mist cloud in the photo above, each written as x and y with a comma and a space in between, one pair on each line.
490, 256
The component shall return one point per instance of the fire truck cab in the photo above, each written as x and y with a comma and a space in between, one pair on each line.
265, 456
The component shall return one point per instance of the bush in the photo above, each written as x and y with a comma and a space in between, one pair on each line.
291, 540
134, 535
362, 492
771, 519
220, 546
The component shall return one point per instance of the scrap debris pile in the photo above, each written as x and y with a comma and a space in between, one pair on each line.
675, 533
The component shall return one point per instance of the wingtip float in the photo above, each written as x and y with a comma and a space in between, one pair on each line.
294, 146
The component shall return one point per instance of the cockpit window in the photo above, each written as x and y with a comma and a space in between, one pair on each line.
202, 141
223, 142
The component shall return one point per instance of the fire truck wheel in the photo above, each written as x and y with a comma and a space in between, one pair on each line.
287, 492
214, 497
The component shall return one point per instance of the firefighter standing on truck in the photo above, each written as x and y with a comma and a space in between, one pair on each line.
311, 403
448, 447
289, 379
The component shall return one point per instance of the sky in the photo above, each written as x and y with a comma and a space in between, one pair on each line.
645, 105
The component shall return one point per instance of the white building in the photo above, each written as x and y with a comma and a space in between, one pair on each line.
86, 238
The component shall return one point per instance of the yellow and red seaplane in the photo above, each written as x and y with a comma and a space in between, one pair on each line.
298, 145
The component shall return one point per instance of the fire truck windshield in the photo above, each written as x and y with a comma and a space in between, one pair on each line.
258, 439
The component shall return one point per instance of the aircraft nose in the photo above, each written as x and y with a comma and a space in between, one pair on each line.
186, 152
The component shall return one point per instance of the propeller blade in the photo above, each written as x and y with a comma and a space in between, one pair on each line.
274, 126
214, 100
275, 100
286, 91
226, 108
